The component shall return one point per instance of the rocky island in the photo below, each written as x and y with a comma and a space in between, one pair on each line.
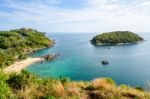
116, 38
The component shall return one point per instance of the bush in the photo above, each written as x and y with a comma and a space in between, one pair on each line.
124, 86
139, 88
5, 91
110, 81
19, 81
64, 80
22, 56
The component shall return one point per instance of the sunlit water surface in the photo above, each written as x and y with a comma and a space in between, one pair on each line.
79, 60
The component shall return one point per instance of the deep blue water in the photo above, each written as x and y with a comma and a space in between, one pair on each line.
79, 60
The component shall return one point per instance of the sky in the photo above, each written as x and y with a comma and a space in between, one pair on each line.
76, 15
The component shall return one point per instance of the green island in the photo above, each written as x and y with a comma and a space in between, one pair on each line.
116, 38
16, 44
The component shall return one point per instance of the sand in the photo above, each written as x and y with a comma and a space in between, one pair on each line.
19, 66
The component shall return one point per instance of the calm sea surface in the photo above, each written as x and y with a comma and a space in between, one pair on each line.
79, 60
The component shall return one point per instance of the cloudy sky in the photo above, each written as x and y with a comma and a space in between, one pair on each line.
76, 15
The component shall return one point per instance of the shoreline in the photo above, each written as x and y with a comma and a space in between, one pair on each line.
118, 44
20, 65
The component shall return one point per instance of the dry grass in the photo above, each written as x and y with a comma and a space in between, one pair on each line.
104, 89
46, 88
103, 84
97, 89
59, 90
133, 93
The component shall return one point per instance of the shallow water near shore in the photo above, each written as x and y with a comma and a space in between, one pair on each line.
80, 60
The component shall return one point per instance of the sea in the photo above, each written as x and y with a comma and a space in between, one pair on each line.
79, 60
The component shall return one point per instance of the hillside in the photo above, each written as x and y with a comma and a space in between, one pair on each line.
16, 44
29, 86
116, 38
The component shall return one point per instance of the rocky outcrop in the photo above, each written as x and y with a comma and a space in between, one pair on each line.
50, 57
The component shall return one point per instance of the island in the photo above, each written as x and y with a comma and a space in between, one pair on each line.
116, 38
16, 44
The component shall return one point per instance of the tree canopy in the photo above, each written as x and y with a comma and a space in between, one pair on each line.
15, 44
115, 38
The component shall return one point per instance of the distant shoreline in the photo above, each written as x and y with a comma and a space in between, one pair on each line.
118, 44
20, 65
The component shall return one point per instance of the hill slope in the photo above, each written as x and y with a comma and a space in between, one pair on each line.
15, 44
28, 86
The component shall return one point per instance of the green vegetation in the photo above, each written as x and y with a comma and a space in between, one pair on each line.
116, 38
16, 44
29, 86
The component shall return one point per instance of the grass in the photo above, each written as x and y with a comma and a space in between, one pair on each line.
29, 86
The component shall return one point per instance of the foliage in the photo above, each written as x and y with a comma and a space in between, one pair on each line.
64, 80
5, 91
5, 59
19, 81
110, 81
15, 44
28, 86
139, 88
117, 37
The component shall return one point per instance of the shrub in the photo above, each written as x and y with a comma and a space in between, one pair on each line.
5, 91
110, 81
64, 80
124, 86
139, 88
19, 81
22, 56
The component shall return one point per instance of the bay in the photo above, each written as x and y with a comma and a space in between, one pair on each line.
80, 60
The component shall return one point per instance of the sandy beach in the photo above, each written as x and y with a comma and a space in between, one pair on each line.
18, 66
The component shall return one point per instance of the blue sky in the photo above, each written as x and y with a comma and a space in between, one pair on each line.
76, 15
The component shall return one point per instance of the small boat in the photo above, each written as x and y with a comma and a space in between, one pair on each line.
104, 62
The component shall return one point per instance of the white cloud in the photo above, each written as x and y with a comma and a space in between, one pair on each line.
97, 15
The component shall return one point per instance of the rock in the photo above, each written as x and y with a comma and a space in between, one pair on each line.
104, 62
50, 57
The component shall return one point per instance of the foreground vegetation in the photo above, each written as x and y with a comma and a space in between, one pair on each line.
15, 44
29, 86
116, 38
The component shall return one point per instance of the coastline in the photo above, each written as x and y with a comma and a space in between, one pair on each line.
118, 44
20, 65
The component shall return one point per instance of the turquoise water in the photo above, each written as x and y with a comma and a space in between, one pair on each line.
79, 60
